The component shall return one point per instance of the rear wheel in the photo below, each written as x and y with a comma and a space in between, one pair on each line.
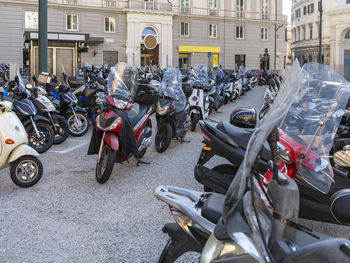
163, 138
104, 167
61, 130
44, 141
26, 171
78, 125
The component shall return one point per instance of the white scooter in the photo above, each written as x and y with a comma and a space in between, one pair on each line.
25, 168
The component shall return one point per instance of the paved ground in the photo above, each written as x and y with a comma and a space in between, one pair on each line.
69, 217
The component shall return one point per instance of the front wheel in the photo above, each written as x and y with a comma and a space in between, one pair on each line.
26, 171
61, 130
44, 141
104, 166
163, 138
78, 124
194, 121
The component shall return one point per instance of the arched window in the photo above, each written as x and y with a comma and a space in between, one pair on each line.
347, 35
148, 31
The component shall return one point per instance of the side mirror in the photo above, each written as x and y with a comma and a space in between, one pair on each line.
243, 117
342, 158
35, 79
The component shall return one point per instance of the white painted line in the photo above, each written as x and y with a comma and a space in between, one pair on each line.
75, 140
70, 149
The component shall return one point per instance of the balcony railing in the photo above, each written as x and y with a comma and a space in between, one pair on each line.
265, 16
185, 10
150, 5
240, 14
71, 2
213, 12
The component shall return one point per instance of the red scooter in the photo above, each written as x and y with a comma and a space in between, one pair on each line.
123, 128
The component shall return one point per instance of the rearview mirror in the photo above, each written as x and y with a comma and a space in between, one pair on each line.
243, 117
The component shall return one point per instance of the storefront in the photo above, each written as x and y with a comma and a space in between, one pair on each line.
189, 55
63, 51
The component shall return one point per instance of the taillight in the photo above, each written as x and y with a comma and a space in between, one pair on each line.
205, 135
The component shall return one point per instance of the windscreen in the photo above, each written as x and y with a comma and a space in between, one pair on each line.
171, 86
202, 72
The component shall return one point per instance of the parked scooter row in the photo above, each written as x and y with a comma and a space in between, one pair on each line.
257, 219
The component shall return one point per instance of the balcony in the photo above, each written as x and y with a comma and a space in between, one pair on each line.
240, 14
150, 5
71, 2
265, 16
213, 12
185, 10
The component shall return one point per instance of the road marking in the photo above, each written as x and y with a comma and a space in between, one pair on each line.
70, 149
75, 140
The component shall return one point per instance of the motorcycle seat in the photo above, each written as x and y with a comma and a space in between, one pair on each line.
134, 117
242, 136
213, 206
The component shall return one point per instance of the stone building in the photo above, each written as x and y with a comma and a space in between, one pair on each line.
164, 32
335, 33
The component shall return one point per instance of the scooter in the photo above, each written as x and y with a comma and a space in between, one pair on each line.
172, 110
25, 168
123, 128
40, 134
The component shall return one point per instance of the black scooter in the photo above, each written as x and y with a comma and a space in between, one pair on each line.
40, 133
172, 110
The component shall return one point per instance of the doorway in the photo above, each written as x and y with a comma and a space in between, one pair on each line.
184, 60
347, 64
149, 56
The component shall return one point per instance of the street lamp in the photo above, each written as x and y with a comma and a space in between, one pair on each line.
320, 33
43, 43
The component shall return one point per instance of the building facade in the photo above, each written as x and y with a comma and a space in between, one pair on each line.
335, 33
141, 32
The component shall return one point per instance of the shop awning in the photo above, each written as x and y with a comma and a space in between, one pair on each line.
75, 37
199, 49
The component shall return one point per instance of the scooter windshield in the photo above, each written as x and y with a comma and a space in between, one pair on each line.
171, 86
202, 72
313, 120
293, 91
122, 81
21, 88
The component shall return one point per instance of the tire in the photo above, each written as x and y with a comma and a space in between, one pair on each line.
194, 121
104, 168
141, 153
62, 132
74, 129
26, 178
226, 99
172, 251
40, 144
259, 82
163, 138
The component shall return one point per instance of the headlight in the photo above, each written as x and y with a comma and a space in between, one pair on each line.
100, 123
283, 154
163, 110
120, 104
49, 105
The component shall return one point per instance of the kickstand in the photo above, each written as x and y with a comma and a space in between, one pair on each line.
184, 141
139, 161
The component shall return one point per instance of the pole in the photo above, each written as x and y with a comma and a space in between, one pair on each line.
43, 43
275, 55
320, 34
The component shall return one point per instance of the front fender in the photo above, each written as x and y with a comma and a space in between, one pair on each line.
76, 109
20, 151
36, 118
57, 117
112, 140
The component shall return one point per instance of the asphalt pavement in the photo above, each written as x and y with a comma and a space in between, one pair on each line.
69, 217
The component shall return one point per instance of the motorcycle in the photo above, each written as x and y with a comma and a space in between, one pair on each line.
25, 168
255, 221
65, 102
172, 110
40, 134
123, 129
199, 100
47, 109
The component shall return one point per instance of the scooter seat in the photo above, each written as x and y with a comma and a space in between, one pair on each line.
213, 207
134, 117
242, 136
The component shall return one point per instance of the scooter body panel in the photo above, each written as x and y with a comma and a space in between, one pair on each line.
21, 150
112, 140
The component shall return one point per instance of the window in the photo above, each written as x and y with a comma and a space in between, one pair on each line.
213, 31
311, 29
240, 8
72, 22
31, 19
110, 24
304, 10
264, 10
239, 32
347, 35
312, 7
110, 58
213, 4
298, 34
185, 6
310, 58
264, 33
239, 61
184, 30
304, 33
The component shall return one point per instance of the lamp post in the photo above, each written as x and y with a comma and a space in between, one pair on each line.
275, 54
320, 33
43, 43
